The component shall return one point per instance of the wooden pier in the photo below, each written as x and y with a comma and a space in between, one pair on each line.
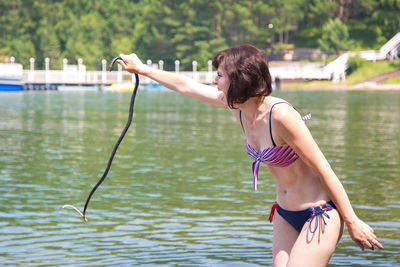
100, 78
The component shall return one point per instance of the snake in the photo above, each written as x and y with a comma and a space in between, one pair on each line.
128, 123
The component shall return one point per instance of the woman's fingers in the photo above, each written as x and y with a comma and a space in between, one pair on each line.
376, 243
370, 243
373, 240
131, 63
122, 63
360, 245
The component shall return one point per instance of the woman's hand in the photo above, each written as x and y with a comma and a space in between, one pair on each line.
132, 63
362, 234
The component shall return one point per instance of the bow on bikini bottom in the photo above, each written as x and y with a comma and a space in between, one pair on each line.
298, 218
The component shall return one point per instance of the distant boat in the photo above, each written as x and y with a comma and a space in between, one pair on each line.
121, 87
153, 86
10, 77
10, 85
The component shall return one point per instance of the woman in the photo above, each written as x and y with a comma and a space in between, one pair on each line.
312, 205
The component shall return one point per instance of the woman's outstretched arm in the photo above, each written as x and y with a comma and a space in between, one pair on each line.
176, 82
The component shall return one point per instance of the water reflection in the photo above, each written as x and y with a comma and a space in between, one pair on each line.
179, 191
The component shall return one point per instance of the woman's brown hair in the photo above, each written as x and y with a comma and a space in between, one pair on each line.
247, 69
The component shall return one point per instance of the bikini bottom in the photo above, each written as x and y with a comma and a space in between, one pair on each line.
298, 218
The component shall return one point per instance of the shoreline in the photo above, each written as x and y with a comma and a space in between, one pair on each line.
367, 86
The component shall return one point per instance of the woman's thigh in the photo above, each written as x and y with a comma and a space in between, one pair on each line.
284, 237
315, 249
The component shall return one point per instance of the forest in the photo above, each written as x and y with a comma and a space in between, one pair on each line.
187, 30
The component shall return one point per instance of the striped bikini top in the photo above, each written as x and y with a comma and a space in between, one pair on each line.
277, 156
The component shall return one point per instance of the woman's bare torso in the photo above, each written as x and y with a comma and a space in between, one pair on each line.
298, 186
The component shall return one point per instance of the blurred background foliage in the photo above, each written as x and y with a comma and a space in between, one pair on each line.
186, 30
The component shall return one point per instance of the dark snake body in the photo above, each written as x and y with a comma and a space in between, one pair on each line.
128, 123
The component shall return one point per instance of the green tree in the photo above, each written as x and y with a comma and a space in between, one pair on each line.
335, 36
317, 13
199, 37
288, 14
158, 22
86, 40
387, 17
22, 49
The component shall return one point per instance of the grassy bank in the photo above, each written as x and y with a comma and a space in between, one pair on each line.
370, 70
366, 71
393, 80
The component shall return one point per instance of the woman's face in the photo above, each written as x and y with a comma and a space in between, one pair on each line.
222, 80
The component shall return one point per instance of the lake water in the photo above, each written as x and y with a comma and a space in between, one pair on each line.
180, 189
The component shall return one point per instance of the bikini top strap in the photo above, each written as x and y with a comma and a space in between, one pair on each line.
241, 123
270, 116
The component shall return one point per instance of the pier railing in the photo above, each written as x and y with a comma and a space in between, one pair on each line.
290, 71
98, 77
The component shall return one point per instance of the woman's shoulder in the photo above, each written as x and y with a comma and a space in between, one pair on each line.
282, 111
